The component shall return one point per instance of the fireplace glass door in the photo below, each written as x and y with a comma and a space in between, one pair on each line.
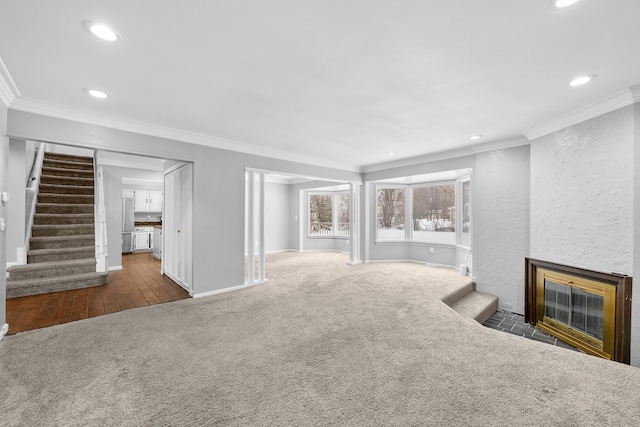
574, 309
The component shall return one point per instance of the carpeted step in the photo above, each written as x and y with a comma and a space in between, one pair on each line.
65, 180
56, 208
52, 242
66, 199
458, 293
65, 164
60, 254
66, 189
68, 157
21, 288
67, 172
43, 219
476, 305
51, 269
61, 230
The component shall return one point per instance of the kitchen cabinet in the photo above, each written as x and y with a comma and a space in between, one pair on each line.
143, 239
148, 201
157, 242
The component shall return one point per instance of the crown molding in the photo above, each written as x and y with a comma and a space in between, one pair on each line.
500, 144
606, 105
50, 109
469, 150
8, 89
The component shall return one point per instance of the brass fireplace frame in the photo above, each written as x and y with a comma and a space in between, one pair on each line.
615, 290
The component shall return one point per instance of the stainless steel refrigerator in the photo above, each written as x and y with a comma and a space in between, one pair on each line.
127, 225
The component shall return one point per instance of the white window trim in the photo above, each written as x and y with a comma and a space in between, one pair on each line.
460, 213
408, 213
334, 215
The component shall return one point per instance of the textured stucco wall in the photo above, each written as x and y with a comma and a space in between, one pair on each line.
500, 203
583, 187
582, 183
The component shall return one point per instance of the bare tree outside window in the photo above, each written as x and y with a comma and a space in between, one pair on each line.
320, 214
390, 211
434, 213
343, 214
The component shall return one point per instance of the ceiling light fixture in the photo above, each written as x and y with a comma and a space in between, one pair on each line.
580, 80
392, 154
563, 3
474, 137
102, 31
96, 93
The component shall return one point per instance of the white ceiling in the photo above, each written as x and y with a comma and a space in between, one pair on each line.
334, 83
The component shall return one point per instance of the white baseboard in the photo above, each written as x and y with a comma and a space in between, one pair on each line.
4, 330
430, 264
115, 268
233, 288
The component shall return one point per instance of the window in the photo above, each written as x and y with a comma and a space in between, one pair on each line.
329, 214
433, 216
390, 213
425, 212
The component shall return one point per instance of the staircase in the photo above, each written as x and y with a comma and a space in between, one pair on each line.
61, 252
470, 303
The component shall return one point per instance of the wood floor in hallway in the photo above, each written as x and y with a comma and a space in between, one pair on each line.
138, 284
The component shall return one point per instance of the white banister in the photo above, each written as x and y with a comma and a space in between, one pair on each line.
33, 182
100, 220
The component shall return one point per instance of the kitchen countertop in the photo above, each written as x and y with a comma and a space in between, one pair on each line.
148, 224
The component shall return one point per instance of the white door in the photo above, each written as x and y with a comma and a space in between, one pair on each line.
176, 225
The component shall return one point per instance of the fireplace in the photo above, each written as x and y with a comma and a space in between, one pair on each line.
587, 309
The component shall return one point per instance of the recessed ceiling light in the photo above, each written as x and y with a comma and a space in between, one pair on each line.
96, 93
580, 80
474, 137
563, 3
392, 154
102, 31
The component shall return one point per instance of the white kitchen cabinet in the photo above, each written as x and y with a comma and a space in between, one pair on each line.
157, 242
143, 241
148, 201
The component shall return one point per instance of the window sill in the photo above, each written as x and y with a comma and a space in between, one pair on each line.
328, 237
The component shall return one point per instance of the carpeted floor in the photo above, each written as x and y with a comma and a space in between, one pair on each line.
322, 344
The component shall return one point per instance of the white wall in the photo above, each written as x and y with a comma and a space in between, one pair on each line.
16, 185
218, 222
500, 206
583, 188
277, 217
4, 169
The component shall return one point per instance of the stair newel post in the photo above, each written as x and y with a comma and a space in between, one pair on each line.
101, 223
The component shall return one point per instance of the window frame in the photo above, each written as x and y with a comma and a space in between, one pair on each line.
335, 215
408, 212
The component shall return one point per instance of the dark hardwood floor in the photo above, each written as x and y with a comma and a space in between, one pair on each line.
138, 284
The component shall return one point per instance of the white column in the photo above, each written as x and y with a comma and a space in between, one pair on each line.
354, 224
261, 267
251, 241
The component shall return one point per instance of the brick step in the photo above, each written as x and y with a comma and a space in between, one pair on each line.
66, 199
68, 157
476, 305
62, 230
58, 208
44, 219
67, 172
21, 288
66, 164
60, 254
52, 242
65, 180
66, 189
51, 269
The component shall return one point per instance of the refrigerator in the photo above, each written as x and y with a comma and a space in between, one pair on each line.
128, 228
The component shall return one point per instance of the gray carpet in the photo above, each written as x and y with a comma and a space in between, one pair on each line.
321, 344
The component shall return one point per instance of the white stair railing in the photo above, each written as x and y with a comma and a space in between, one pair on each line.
33, 183
100, 220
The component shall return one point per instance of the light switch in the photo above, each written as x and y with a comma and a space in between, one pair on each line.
5, 197
3, 224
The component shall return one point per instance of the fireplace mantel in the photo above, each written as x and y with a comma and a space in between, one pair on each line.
612, 339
